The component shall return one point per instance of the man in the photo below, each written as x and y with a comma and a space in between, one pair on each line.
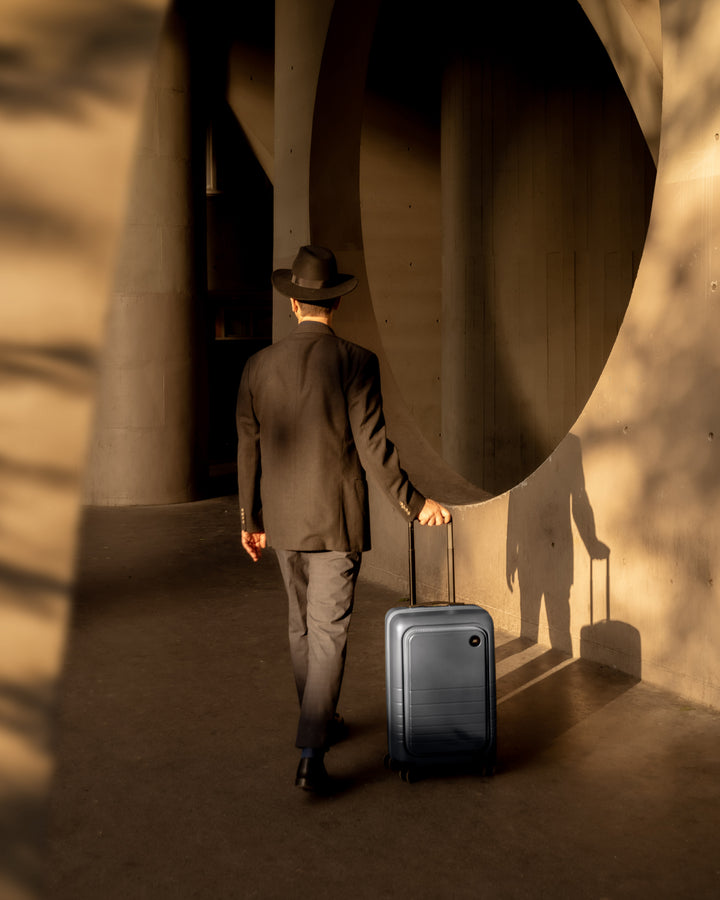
310, 425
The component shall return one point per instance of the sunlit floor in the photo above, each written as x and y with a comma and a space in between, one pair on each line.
176, 758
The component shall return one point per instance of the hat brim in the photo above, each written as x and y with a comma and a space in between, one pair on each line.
282, 280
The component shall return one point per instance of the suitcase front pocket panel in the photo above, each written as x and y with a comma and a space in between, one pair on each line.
446, 690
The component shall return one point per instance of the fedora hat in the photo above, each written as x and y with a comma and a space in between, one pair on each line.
314, 277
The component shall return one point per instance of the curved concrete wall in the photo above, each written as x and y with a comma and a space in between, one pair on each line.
547, 185
632, 486
645, 443
632, 35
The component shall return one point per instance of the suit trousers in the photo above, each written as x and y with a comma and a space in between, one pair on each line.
321, 588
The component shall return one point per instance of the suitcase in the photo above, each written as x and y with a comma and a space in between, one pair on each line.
440, 682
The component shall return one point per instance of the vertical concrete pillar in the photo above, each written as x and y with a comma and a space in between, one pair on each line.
148, 439
300, 32
463, 277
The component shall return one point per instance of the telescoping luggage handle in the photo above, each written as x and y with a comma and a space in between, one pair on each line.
450, 563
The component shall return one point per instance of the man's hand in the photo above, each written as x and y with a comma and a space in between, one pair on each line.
254, 542
598, 550
433, 514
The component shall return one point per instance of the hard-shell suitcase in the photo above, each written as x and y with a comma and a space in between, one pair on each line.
440, 681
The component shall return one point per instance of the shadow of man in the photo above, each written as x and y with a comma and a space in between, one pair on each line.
540, 541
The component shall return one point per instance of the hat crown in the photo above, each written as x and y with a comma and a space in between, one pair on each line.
314, 267
314, 277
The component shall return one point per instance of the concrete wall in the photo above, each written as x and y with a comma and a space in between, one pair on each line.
547, 183
632, 485
643, 448
552, 168
73, 80
637, 472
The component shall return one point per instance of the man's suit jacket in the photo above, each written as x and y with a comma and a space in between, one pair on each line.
310, 424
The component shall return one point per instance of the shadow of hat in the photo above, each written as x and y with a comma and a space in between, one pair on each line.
314, 277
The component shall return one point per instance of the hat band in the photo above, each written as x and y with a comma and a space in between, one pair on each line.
315, 283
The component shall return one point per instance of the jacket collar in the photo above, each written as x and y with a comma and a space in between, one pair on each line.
313, 328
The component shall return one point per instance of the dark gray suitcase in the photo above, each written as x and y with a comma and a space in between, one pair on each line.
440, 682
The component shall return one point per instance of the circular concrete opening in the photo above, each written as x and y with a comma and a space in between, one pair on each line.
505, 196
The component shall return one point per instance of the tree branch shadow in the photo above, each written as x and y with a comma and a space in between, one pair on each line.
57, 60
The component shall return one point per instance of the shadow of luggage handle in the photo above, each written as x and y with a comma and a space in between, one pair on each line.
607, 585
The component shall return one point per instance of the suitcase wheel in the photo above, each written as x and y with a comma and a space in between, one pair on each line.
406, 773
489, 767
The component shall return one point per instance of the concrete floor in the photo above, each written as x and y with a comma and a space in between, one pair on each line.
176, 757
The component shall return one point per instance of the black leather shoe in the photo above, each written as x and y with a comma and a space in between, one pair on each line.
337, 730
312, 775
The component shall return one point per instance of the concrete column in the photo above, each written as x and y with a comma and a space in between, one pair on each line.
300, 33
148, 435
463, 303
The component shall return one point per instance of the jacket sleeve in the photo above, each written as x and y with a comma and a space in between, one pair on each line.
249, 464
378, 454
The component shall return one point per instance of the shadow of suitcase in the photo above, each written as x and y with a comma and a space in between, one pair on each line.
622, 639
